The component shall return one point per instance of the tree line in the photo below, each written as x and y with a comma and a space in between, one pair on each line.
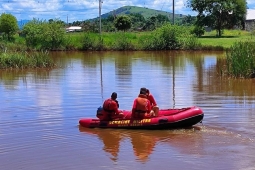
136, 21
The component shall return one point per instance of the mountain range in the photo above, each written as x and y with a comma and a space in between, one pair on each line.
146, 12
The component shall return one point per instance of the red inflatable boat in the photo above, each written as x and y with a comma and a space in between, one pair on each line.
166, 119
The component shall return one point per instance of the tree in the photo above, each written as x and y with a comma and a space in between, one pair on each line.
8, 25
122, 22
151, 23
137, 17
162, 19
219, 14
198, 31
188, 20
137, 20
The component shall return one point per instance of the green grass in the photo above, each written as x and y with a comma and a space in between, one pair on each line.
208, 40
227, 40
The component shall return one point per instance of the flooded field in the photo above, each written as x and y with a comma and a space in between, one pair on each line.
40, 110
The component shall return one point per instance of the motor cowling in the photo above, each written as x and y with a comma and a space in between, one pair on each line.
99, 112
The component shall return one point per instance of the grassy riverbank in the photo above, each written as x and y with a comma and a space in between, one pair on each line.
136, 40
160, 39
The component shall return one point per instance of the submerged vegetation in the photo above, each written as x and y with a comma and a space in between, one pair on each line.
23, 60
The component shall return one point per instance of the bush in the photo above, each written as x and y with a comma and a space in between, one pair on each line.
168, 37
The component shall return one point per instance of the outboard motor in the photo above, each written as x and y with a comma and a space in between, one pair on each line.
99, 112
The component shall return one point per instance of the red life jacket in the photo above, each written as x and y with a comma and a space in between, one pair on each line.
142, 104
109, 105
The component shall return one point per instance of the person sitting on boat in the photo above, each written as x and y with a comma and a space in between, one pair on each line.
141, 106
154, 106
110, 108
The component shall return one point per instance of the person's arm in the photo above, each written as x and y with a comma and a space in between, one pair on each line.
148, 105
152, 100
116, 110
117, 103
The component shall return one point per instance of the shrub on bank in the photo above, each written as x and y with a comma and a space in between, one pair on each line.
171, 37
241, 59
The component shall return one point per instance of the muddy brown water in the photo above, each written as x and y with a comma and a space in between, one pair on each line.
40, 110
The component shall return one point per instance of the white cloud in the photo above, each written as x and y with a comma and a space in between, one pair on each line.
251, 4
85, 9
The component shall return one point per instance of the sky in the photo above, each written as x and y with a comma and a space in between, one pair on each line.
79, 10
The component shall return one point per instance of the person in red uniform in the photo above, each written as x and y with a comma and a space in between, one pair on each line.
151, 98
154, 106
110, 108
141, 106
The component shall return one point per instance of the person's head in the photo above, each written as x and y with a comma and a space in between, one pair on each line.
143, 90
114, 96
147, 91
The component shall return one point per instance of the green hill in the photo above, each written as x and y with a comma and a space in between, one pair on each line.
146, 12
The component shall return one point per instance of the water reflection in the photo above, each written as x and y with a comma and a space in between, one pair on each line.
143, 145
12, 78
166, 73
144, 142
111, 140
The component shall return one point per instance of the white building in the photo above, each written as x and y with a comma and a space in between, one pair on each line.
73, 29
250, 20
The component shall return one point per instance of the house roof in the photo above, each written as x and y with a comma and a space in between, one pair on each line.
250, 14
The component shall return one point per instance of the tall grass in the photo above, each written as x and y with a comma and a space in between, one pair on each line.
168, 37
123, 42
241, 59
191, 43
10, 46
22, 60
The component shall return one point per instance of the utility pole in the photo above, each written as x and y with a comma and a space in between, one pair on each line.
100, 16
173, 12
